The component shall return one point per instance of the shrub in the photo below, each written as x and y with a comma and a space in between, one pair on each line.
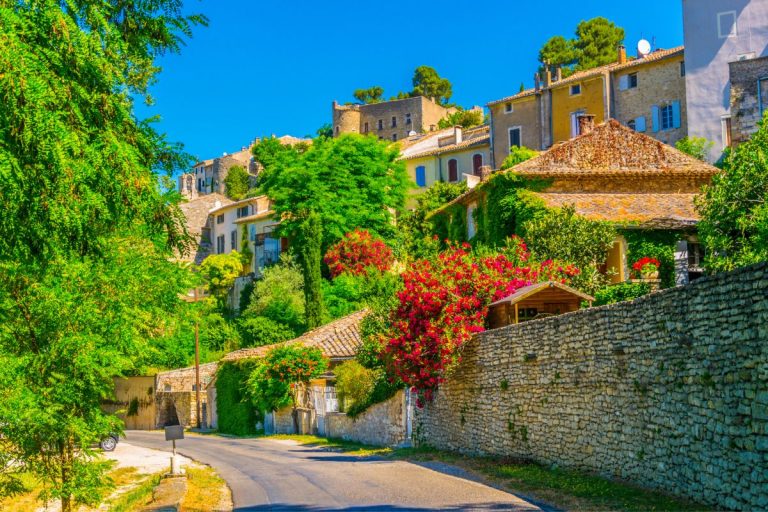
697, 147
518, 155
279, 295
621, 292
354, 383
258, 331
237, 415
357, 252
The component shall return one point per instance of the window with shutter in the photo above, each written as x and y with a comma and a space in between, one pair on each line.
421, 176
453, 170
640, 124
477, 163
515, 137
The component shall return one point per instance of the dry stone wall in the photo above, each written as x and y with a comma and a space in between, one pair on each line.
669, 391
383, 424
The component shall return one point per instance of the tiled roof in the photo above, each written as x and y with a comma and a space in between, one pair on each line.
255, 216
594, 72
183, 379
482, 140
651, 210
339, 339
233, 204
532, 289
614, 149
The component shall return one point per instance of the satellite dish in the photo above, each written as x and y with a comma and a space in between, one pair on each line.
411, 133
643, 48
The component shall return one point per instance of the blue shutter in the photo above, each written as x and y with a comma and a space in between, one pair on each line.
421, 176
640, 124
676, 114
623, 82
655, 112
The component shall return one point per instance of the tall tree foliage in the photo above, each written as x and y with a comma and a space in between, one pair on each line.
78, 297
310, 248
595, 44
236, 183
351, 181
426, 82
371, 95
734, 207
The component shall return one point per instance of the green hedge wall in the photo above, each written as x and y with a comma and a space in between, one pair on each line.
237, 416
655, 244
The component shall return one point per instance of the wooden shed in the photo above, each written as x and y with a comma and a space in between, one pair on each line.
536, 301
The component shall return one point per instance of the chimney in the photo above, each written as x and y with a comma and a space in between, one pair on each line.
537, 81
586, 123
558, 74
547, 78
622, 54
457, 134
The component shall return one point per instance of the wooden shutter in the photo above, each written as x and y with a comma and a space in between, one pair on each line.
623, 82
453, 170
640, 124
656, 114
676, 114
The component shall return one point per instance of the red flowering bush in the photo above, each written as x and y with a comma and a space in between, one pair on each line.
646, 265
357, 252
445, 301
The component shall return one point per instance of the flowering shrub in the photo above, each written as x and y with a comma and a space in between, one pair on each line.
646, 265
357, 252
445, 301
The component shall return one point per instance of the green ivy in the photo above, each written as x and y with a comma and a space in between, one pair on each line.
621, 292
457, 230
659, 244
237, 415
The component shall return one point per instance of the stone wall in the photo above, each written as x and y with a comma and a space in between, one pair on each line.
669, 391
746, 96
383, 424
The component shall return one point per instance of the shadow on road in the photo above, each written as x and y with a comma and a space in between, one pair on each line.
377, 508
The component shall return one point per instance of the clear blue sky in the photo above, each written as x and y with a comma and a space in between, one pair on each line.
264, 68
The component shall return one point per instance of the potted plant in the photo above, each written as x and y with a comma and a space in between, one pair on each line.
647, 267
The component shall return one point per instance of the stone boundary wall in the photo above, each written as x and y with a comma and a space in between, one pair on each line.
383, 424
669, 391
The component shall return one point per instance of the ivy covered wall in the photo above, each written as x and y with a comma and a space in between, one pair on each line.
237, 415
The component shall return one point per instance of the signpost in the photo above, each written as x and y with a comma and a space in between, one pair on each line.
173, 433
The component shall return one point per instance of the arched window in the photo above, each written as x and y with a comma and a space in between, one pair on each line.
477, 163
421, 176
453, 170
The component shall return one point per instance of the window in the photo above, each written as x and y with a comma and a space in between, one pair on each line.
453, 170
575, 128
666, 117
365, 128
394, 122
632, 81
515, 137
243, 211
394, 137
575, 89
508, 108
477, 163
220, 244
233, 240
220, 219
632, 124
407, 119
726, 25
421, 176
381, 124
682, 68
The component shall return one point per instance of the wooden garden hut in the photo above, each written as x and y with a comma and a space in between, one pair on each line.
536, 301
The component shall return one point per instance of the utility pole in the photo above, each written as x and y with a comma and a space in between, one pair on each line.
197, 367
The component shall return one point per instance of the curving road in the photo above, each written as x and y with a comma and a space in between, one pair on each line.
268, 474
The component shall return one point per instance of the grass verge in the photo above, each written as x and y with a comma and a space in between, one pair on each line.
136, 498
206, 491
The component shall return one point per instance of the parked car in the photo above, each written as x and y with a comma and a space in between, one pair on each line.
109, 443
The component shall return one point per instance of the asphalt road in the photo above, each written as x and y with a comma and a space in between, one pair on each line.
267, 474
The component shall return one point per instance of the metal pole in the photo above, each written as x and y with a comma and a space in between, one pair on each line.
197, 367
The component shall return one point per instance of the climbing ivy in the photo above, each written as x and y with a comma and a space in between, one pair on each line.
237, 415
659, 244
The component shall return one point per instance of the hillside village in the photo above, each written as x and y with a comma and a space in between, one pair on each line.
558, 276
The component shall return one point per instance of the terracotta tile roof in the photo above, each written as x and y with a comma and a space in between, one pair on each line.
648, 209
339, 339
614, 149
255, 216
184, 378
481, 140
233, 204
532, 289
595, 72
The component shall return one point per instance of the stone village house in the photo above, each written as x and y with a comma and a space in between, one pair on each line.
615, 174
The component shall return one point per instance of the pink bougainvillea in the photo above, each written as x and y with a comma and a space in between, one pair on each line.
356, 253
445, 301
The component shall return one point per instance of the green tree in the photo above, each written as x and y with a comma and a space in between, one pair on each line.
561, 234
518, 155
310, 257
284, 375
279, 296
80, 298
371, 95
463, 118
597, 41
258, 331
351, 181
219, 272
559, 52
269, 152
734, 208
237, 182
354, 383
697, 147
426, 82
325, 131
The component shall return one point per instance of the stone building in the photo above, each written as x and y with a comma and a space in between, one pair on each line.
197, 213
176, 396
614, 174
646, 93
718, 32
389, 120
449, 155
749, 97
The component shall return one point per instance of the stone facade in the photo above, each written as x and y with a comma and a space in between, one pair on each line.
389, 120
383, 424
523, 113
669, 391
749, 97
